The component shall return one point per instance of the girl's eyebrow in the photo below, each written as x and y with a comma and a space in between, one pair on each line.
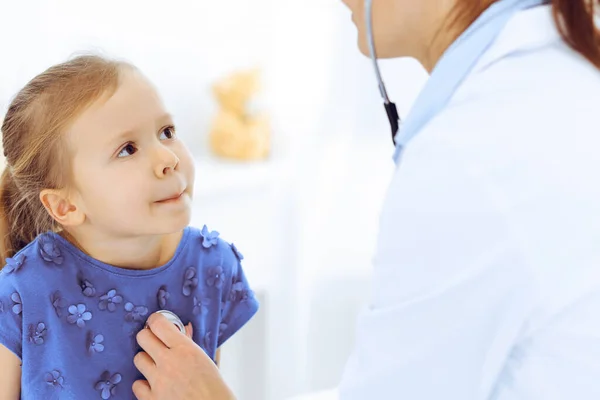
164, 119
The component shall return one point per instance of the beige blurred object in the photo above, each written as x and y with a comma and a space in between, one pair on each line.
236, 131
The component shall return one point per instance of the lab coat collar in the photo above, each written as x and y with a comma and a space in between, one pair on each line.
528, 30
456, 64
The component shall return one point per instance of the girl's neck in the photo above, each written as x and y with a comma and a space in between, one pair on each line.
141, 252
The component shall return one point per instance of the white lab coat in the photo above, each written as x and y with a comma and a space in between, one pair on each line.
487, 269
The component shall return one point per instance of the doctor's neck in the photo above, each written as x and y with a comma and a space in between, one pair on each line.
431, 53
447, 26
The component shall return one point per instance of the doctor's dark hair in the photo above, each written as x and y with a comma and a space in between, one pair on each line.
577, 24
36, 153
574, 18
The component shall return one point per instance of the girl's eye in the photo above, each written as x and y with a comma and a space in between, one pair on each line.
167, 133
127, 151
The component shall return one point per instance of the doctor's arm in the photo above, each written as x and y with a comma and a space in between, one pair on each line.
450, 342
451, 292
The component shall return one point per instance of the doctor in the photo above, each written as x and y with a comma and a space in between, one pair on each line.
487, 269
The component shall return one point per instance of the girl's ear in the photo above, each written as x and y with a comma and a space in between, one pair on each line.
60, 207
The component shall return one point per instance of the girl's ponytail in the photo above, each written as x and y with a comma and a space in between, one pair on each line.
12, 215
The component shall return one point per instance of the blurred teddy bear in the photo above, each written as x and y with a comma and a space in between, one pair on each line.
237, 132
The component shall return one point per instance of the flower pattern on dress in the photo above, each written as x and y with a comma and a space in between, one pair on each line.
17, 307
78, 315
15, 263
209, 239
87, 289
240, 293
162, 297
236, 292
109, 301
216, 277
135, 313
55, 379
37, 334
190, 281
222, 328
49, 250
107, 385
58, 303
208, 340
237, 253
95, 343
200, 306
247, 294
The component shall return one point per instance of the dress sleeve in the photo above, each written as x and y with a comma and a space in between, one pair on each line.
238, 303
10, 315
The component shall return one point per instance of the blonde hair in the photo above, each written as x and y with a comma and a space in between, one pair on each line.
33, 141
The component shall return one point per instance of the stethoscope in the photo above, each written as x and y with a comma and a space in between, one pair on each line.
173, 318
390, 108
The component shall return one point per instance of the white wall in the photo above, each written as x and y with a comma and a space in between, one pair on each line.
330, 128
183, 46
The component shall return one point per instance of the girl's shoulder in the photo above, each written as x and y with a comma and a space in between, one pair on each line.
38, 263
216, 261
211, 248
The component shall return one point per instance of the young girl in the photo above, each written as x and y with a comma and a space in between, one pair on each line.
96, 199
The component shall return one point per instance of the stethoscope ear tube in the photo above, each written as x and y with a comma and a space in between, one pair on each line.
390, 108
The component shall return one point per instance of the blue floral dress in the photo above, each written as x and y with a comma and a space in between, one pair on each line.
72, 320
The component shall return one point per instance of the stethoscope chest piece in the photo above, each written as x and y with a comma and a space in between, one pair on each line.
173, 318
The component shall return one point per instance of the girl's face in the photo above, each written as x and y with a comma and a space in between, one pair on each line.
401, 28
132, 175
